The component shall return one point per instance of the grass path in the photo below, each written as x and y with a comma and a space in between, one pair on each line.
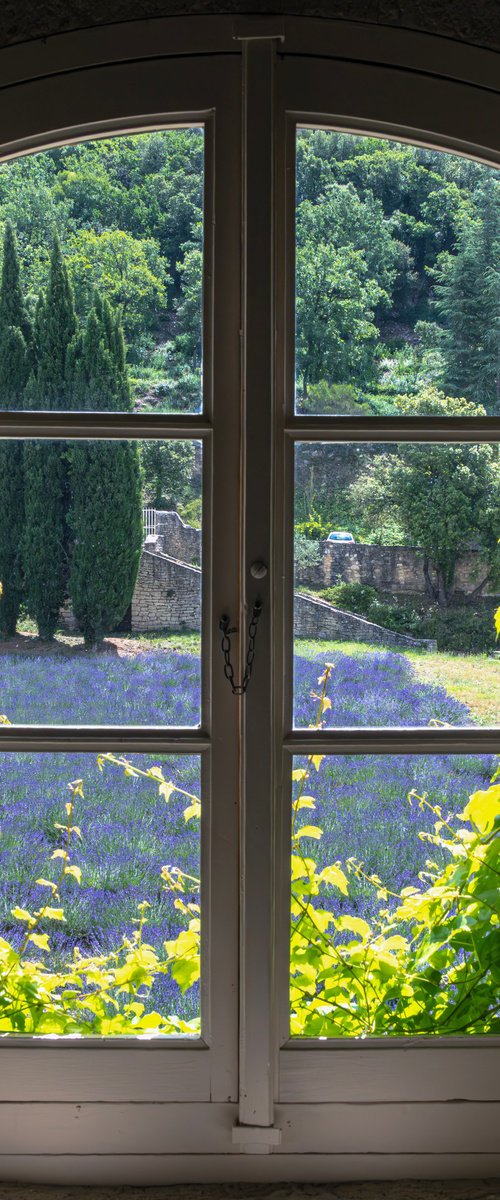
472, 678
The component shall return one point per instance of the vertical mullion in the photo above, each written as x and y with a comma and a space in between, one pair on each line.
222, 327
256, 959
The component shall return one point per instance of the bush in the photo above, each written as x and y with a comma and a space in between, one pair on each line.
355, 597
401, 618
363, 600
338, 398
307, 555
464, 630
191, 512
314, 528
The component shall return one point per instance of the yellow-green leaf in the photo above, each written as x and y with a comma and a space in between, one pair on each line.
41, 940
304, 802
75, 871
335, 876
354, 925
316, 760
312, 831
193, 810
482, 809
21, 914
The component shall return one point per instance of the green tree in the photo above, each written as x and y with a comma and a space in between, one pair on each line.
45, 540
443, 496
188, 307
345, 267
105, 481
467, 287
168, 473
14, 368
129, 271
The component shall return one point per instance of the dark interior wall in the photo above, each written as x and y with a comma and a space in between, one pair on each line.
476, 21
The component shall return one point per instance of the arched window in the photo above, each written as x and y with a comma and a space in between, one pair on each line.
345, 179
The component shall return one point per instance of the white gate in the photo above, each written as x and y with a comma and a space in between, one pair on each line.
149, 521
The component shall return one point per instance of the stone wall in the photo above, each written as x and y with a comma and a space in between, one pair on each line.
167, 594
177, 539
387, 568
318, 620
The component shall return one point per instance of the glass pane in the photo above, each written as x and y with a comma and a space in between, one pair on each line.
101, 286
100, 562
397, 281
395, 896
98, 882
397, 580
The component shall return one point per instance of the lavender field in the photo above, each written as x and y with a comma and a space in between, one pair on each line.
378, 688
129, 833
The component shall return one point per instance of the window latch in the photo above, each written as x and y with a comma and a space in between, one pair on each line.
239, 689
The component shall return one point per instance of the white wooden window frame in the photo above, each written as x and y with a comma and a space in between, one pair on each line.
244, 1102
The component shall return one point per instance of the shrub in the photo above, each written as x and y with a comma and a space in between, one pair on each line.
464, 630
307, 555
401, 618
314, 528
339, 398
363, 600
355, 597
191, 512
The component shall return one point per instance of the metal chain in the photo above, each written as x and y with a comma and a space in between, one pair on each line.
239, 689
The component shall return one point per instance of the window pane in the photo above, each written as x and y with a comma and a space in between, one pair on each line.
101, 289
136, 850
397, 581
100, 551
397, 281
395, 904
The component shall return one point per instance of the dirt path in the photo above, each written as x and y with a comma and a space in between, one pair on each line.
69, 644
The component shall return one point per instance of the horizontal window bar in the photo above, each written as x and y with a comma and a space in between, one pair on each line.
70, 1042
469, 1042
400, 429
101, 738
101, 425
394, 741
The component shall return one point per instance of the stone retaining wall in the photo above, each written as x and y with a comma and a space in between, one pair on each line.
390, 569
318, 620
177, 539
167, 595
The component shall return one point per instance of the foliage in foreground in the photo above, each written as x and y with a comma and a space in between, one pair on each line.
429, 962
103, 994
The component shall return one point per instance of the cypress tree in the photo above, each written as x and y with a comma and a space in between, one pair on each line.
106, 504
468, 298
45, 541
14, 341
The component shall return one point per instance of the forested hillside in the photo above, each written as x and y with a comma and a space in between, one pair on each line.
398, 278
128, 212
398, 275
